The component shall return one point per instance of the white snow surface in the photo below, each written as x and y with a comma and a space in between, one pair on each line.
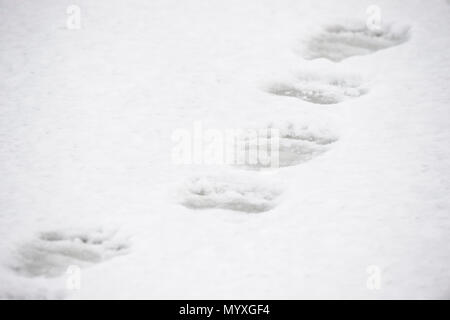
86, 176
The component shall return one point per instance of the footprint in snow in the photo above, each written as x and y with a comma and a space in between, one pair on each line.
238, 193
296, 143
339, 41
50, 253
321, 89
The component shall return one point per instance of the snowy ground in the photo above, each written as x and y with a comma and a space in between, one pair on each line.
87, 179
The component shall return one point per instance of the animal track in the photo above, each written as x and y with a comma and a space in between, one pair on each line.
232, 193
321, 89
296, 144
339, 41
52, 252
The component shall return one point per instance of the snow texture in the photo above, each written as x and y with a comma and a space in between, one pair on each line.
359, 207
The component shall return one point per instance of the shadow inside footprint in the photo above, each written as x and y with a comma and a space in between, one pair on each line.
51, 253
340, 41
321, 89
236, 194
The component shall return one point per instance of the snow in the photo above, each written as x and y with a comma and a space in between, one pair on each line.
87, 179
